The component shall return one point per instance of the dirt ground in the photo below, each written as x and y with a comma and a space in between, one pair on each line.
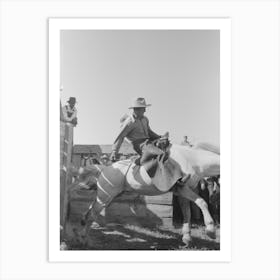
131, 237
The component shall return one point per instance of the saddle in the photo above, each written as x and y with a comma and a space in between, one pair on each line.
153, 153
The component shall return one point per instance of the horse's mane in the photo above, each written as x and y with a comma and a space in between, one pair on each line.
207, 147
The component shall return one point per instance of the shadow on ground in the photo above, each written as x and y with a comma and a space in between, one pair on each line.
132, 237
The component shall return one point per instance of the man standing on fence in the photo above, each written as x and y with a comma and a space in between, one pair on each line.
70, 111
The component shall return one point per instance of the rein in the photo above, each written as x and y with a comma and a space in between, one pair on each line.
124, 178
162, 144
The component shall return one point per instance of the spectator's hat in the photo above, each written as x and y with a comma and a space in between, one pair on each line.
139, 102
72, 100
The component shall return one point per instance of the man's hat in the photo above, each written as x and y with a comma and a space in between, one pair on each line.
72, 99
139, 103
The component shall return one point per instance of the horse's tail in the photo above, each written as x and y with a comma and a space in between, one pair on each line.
207, 147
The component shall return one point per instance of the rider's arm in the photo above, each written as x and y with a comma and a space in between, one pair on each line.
152, 134
124, 132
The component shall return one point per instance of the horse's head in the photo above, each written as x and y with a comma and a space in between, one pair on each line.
86, 176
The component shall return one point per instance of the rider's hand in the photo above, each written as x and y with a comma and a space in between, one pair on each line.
113, 156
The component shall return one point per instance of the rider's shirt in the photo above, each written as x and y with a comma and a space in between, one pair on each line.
136, 130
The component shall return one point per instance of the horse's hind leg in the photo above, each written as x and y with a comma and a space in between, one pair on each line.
186, 192
186, 211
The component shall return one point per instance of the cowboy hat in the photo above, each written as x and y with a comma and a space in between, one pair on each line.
140, 102
72, 99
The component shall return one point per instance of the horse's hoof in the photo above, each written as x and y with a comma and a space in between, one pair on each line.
95, 225
187, 239
211, 234
84, 241
63, 246
210, 231
81, 239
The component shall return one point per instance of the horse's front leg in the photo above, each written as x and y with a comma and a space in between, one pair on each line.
186, 192
93, 213
186, 211
106, 192
90, 218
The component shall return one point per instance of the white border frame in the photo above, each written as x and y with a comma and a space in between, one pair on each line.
222, 24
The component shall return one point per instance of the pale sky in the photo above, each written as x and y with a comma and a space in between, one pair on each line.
178, 72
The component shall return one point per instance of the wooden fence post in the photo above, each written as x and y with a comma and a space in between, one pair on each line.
66, 146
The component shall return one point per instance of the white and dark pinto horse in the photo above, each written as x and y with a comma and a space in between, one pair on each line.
191, 163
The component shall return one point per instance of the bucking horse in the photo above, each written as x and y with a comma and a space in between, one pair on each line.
179, 173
